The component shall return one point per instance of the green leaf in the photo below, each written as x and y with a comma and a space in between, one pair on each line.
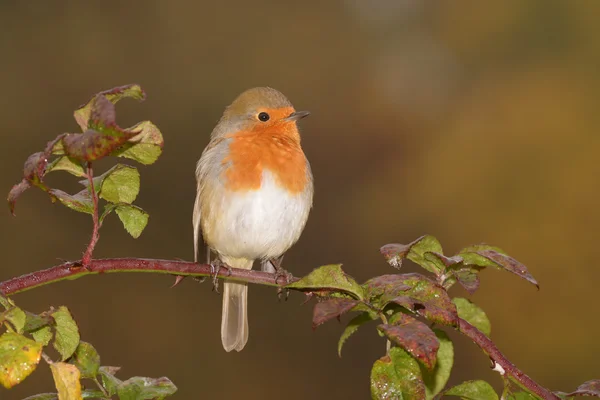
353, 326
109, 380
138, 388
19, 356
81, 202
43, 396
83, 113
87, 359
473, 390
425, 244
65, 163
331, 308
474, 315
436, 380
120, 184
413, 336
67, 333
66, 379
328, 278
397, 376
395, 253
16, 317
42, 335
35, 322
134, 219
145, 147
92, 394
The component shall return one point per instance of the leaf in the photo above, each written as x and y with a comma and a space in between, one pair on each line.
92, 394
328, 278
383, 289
134, 219
415, 292
86, 359
468, 279
436, 380
507, 263
331, 308
413, 336
474, 315
109, 380
67, 333
35, 322
42, 335
352, 327
440, 261
43, 396
83, 113
66, 380
589, 388
81, 202
138, 388
35, 167
65, 163
425, 244
93, 145
473, 390
145, 147
16, 317
395, 253
121, 185
396, 376
16, 192
19, 356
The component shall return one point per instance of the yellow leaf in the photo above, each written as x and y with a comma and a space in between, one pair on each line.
66, 380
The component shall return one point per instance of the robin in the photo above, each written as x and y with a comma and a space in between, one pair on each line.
254, 193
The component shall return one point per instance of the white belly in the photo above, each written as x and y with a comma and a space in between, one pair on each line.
263, 223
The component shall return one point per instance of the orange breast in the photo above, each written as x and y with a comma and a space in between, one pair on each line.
276, 149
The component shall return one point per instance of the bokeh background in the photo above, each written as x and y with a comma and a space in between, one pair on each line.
472, 121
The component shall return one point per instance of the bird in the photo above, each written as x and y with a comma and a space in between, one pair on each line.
253, 196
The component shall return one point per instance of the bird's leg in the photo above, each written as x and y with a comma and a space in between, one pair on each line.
215, 268
280, 273
201, 279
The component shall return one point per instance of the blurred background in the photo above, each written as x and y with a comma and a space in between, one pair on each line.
471, 121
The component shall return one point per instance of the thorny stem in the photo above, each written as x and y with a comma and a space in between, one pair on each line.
87, 256
74, 270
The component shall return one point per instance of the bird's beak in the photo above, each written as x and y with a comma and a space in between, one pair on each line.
296, 115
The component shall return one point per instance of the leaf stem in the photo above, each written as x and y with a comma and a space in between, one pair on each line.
87, 256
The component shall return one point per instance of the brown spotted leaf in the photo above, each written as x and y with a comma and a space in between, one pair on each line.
413, 336
382, 289
84, 113
145, 147
331, 308
589, 388
415, 292
508, 263
468, 279
14, 194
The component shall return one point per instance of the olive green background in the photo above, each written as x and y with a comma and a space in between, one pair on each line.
472, 121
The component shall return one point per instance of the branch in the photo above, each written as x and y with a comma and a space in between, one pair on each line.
497, 357
76, 269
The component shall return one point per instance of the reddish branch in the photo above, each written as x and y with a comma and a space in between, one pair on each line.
87, 256
74, 270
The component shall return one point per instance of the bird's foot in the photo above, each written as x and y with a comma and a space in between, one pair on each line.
215, 268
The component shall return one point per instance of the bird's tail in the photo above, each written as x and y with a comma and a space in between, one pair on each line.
234, 322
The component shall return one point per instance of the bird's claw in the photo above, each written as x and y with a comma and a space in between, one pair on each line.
215, 268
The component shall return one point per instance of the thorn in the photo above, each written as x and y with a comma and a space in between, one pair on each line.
178, 279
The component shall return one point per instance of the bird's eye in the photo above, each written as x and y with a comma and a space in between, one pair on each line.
263, 116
